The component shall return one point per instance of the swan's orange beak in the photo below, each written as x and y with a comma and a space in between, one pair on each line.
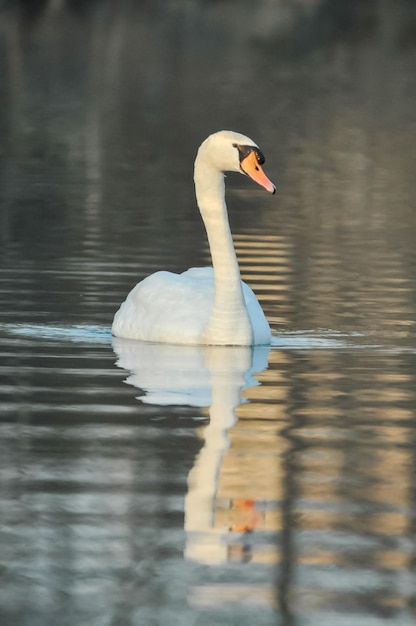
250, 166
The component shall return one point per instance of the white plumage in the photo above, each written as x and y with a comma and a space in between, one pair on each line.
203, 305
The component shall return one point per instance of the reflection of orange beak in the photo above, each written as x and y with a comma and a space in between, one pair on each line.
250, 166
249, 517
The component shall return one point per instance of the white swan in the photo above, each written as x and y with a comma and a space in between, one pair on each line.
204, 305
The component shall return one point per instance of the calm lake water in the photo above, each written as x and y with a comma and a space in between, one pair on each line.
146, 485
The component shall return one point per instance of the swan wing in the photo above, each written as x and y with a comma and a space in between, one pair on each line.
167, 307
261, 329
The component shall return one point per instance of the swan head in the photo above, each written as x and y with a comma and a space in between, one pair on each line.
228, 151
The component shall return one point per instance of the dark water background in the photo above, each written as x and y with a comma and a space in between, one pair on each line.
167, 500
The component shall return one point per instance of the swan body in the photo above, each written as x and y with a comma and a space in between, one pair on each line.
204, 305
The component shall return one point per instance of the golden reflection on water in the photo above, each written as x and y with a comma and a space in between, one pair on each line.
327, 468
265, 264
220, 594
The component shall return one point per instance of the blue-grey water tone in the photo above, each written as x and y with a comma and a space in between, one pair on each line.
149, 485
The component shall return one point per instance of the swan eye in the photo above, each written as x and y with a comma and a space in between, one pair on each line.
244, 151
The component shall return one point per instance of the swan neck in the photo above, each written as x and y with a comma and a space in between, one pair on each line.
229, 317
210, 193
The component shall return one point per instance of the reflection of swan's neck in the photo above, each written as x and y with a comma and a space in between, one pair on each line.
228, 322
228, 368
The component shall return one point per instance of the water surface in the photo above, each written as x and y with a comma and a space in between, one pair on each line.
164, 485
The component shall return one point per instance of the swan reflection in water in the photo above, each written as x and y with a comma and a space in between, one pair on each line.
201, 376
